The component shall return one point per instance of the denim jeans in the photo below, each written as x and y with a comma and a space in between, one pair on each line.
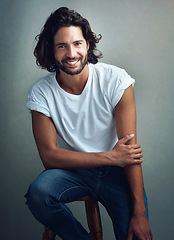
48, 194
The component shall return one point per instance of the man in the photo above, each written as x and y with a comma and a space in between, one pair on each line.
89, 105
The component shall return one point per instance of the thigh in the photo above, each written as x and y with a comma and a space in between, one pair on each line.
61, 185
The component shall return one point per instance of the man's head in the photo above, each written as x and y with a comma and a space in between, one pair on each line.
63, 18
70, 50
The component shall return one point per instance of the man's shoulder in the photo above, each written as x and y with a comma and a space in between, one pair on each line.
105, 67
107, 72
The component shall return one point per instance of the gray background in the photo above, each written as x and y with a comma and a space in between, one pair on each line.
138, 36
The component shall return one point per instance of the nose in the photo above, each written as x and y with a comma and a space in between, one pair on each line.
70, 52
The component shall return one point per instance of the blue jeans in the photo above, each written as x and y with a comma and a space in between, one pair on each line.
48, 194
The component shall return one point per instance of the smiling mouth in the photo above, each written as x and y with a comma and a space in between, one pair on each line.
71, 62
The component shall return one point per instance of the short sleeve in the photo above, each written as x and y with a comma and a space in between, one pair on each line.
124, 80
37, 101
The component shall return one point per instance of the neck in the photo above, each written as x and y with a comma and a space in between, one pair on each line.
73, 84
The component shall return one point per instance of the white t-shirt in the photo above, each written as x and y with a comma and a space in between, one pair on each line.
84, 122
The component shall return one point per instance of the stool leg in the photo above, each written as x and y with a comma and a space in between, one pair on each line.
48, 234
93, 219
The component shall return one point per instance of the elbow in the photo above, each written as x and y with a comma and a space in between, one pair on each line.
51, 158
46, 165
46, 160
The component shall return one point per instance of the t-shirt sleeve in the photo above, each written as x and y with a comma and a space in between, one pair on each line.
124, 80
37, 101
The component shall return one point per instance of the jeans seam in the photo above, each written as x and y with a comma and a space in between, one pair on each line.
86, 188
66, 191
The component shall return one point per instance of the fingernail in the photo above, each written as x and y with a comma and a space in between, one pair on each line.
132, 135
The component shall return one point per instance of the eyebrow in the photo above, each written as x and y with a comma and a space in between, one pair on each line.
59, 44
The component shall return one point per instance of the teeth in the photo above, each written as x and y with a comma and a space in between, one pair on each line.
74, 62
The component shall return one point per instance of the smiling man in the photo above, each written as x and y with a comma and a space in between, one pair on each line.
91, 107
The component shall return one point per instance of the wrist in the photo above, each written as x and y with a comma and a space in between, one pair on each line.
139, 210
109, 158
105, 158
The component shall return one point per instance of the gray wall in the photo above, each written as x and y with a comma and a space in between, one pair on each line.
137, 35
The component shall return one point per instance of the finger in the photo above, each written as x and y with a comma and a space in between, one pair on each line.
136, 151
125, 139
137, 161
151, 236
136, 146
137, 155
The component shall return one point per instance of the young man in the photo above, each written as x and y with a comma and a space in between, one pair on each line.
91, 107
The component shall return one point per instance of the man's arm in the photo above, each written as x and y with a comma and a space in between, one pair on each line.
53, 157
125, 115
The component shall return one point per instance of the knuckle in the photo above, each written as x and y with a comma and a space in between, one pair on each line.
129, 147
130, 152
138, 146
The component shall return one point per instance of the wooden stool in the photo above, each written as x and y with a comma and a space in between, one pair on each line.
93, 220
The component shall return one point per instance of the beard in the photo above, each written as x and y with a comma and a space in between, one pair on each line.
65, 69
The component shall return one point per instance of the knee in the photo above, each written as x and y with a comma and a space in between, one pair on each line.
38, 198
32, 195
37, 195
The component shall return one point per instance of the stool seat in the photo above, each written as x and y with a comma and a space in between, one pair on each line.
93, 220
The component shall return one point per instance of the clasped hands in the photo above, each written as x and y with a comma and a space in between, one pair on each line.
124, 155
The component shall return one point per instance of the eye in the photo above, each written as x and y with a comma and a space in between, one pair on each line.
61, 46
78, 44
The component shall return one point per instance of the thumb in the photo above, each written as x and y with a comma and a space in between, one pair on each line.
130, 235
125, 139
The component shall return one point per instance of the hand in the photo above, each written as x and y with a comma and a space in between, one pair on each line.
140, 228
123, 155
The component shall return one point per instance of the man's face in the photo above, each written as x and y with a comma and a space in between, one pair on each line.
70, 50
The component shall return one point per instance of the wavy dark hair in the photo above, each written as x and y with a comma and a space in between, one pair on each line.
63, 17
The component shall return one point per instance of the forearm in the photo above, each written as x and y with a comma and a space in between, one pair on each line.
139, 225
135, 181
66, 159
120, 155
